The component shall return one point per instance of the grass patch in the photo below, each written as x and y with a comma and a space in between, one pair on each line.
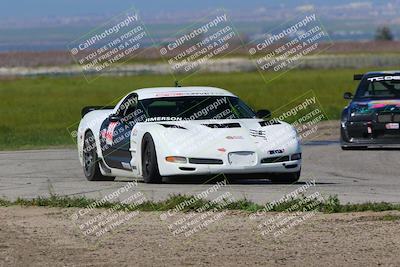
332, 205
5, 203
35, 112
390, 217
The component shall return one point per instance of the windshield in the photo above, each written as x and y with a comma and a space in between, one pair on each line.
384, 86
195, 108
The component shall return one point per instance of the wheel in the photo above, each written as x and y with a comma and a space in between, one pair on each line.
286, 178
91, 167
150, 170
346, 145
343, 141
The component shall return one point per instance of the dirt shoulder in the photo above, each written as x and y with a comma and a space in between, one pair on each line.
326, 131
46, 237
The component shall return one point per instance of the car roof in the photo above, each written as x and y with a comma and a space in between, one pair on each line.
158, 92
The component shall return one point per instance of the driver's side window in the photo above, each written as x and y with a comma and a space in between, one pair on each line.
126, 110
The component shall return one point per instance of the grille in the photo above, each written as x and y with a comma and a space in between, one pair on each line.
205, 161
389, 117
275, 159
385, 118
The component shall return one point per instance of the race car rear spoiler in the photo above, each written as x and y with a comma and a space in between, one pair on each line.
86, 110
358, 77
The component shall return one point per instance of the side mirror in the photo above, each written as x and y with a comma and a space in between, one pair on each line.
263, 113
348, 95
113, 118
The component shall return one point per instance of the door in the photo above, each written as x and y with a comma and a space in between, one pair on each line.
115, 134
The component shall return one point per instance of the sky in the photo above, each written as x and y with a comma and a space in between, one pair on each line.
50, 23
43, 8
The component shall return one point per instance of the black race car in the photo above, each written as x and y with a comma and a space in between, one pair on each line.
372, 119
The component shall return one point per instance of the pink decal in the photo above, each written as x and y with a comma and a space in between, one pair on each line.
383, 103
110, 132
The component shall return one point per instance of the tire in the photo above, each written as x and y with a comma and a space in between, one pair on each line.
346, 148
344, 143
150, 171
91, 167
286, 178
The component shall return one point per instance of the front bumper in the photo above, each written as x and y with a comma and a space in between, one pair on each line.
173, 169
369, 134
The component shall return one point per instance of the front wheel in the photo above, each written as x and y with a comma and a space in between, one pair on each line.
150, 170
286, 178
345, 145
91, 167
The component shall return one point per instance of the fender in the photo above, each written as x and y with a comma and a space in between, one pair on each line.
157, 133
91, 121
345, 114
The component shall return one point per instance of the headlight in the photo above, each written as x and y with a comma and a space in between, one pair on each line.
176, 159
296, 156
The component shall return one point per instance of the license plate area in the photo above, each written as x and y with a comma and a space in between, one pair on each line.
242, 158
392, 126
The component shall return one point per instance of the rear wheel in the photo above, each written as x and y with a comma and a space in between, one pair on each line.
150, 170
286, 178
91, 167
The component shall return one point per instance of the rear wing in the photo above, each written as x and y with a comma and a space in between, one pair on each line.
358, 77
88, 109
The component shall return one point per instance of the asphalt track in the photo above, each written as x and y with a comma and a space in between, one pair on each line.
354, 176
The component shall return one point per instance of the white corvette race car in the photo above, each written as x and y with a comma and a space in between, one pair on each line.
173, 131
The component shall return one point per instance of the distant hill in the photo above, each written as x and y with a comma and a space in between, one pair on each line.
53, 24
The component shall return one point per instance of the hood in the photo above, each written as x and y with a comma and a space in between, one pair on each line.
226, 135
373, 106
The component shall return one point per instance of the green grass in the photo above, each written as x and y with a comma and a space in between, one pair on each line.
331, 205
390, 217
35, 112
